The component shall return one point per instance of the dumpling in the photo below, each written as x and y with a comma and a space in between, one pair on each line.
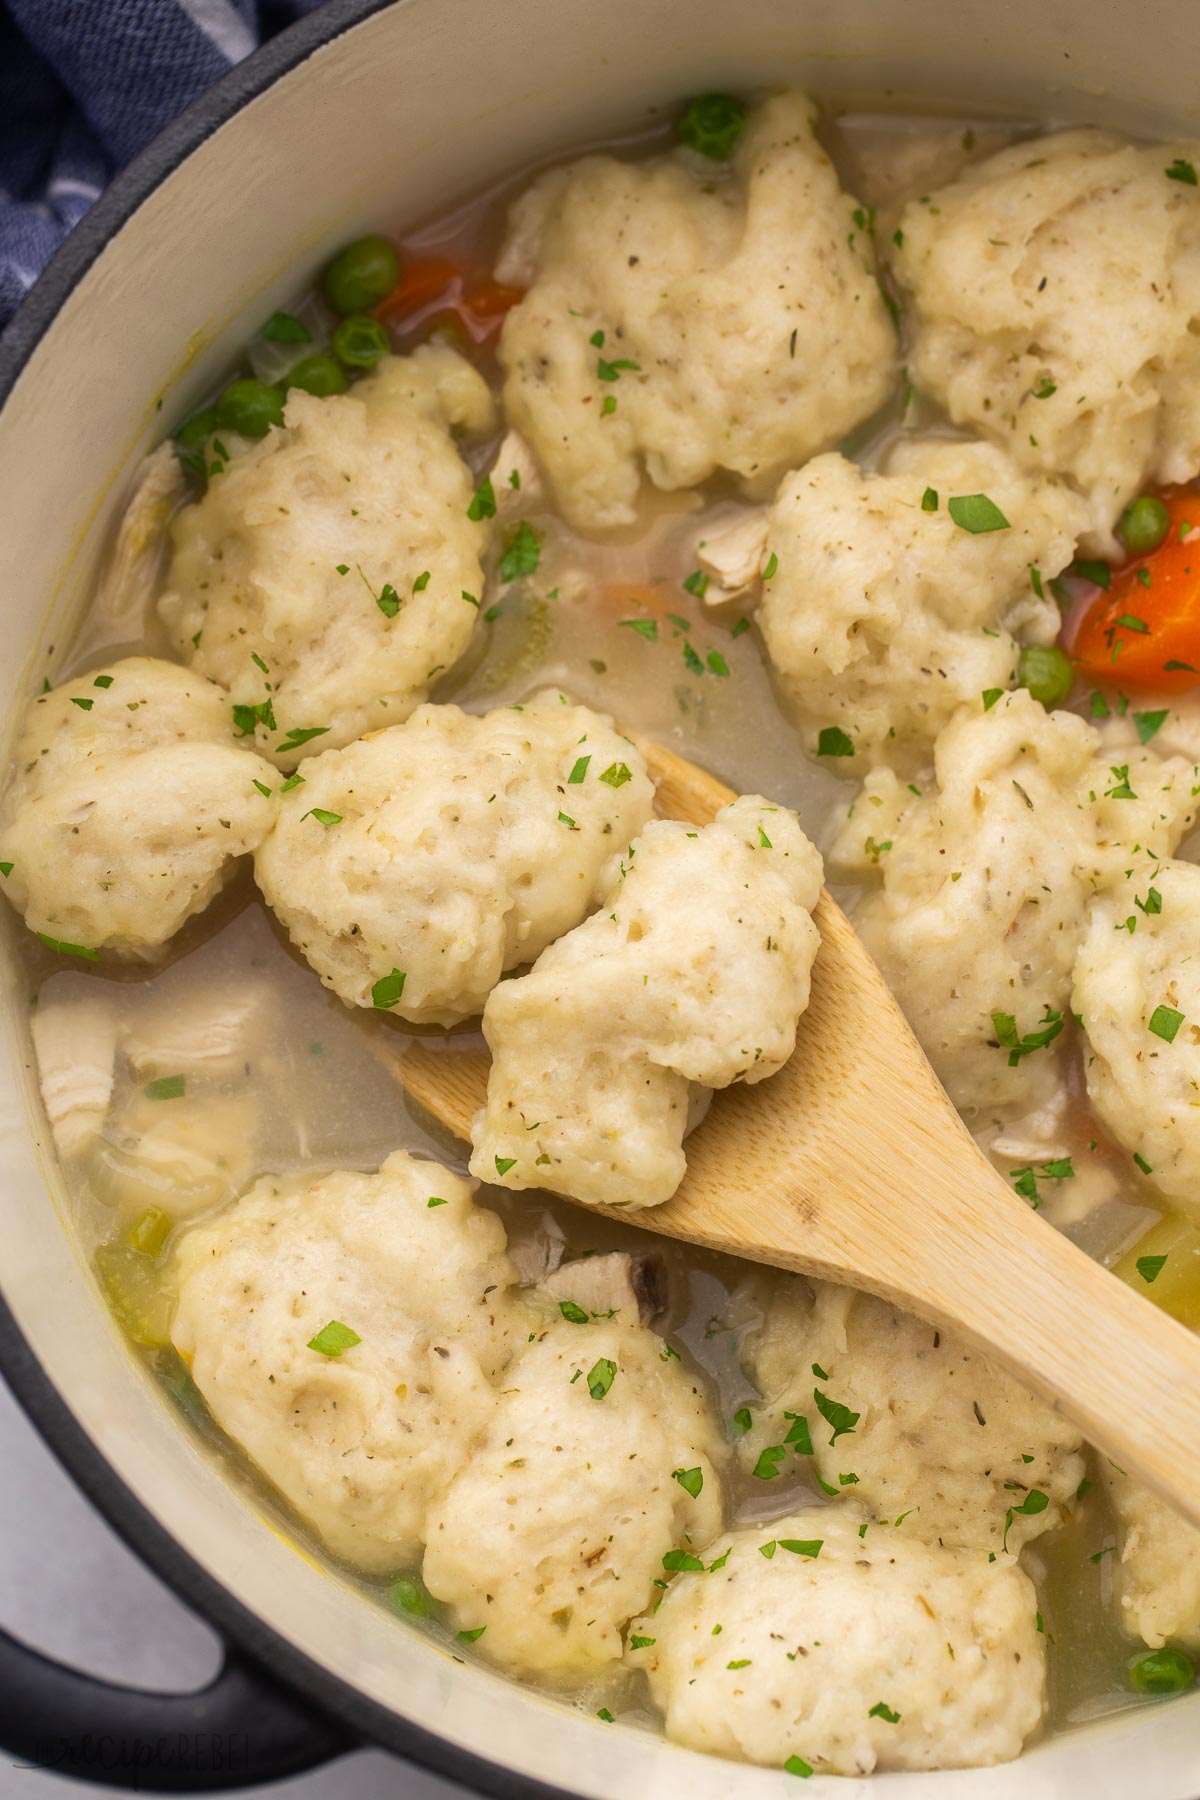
943, 1446
980, 883
820, 1642
681, 320
344, 1330
1137, 994
694, 969
1157, 1573
1055, 298
414, 868
331, 572
882, 614
600, 1460
128, 804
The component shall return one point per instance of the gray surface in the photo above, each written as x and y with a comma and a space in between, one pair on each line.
71, 1588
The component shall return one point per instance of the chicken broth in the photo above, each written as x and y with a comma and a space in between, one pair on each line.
177, 1079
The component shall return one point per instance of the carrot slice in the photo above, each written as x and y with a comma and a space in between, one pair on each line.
1145, 631
433, 292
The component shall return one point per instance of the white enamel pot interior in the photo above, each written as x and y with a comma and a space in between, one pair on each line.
360, 116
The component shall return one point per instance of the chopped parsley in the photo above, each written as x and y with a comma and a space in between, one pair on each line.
65, 949
641, 1643
388, 601
601, 1376
742, 1421
929, 500
1098, 573
1150, 723
1044, 388
976, 513
1005, 1027
322, 816
298, 734
697, 583
810, 1547
770, 570
682, 1562
248, 718
522, 554
333, 1338
647, 628
483, 501
767, 1466
1150, 1268
1165, 1022
796, 1765
611, 371
572, 1312
436, 1200
695, 666
473, 1636
881, 1710
578, 771
833, 741
990, 697
616, 775
387, 990
1181, 170
841, 1419
1034, 1502
504, 1164
690, 1480
167, 1087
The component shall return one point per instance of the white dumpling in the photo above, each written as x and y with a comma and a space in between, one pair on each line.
331, 572
552, 1534
361, 1441
695, 969
1055, 298
978, 884
882, 615
128, 803
681, 319
945, 1446
1157, 1574
845, 1653
456, 848
1137, 993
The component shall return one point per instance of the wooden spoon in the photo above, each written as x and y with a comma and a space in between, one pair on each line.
851, 1164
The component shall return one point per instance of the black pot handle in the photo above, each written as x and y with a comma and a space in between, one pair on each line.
243, 1728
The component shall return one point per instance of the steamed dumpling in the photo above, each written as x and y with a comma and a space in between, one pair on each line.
128, 803
331, 572
451, 849
1055, 299
693, 972
402, 1284
825, 1639
551, 1536
682, 320
882, 615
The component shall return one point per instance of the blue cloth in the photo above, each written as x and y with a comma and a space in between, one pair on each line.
84, 85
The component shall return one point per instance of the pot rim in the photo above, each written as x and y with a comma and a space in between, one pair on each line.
150, 1540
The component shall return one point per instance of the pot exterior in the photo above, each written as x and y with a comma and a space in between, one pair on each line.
362, 114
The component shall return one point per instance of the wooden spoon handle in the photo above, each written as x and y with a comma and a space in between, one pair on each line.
1126, 1373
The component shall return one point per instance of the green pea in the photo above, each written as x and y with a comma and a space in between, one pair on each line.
361, 275
319, 374
410, 1595
1046, 671
1144, 524
360, 341
195, 432
1161, 1672
250, 408
712, 124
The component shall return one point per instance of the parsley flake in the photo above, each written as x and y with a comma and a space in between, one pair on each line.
601, 1376
1165, 1022
833, 741
976, 513
167, 1087
387, 990
333, 1338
